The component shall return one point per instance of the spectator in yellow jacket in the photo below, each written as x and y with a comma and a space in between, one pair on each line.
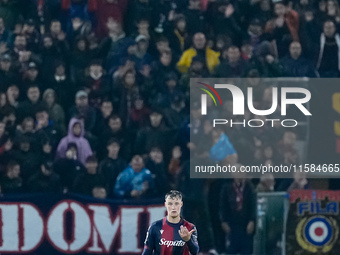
199, 48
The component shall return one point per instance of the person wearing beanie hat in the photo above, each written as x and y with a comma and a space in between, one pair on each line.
155, 134
81, 94
60, 81
55, 111
169, 90
45, 180
85, 182
7, 75
12, 181
113, 163
46, 128
32, 34
24, 154
82, 109
31, 74
70, 167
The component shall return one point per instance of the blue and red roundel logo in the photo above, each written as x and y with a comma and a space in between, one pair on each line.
317, 234
318, 231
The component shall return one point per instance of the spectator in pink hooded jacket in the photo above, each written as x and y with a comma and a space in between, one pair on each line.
75, 135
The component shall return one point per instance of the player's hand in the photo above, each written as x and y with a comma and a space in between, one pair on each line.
185, 233
225, 227
250, 227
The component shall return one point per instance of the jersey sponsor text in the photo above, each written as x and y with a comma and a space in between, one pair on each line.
171, 243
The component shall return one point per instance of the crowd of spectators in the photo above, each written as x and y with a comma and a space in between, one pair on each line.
94, 94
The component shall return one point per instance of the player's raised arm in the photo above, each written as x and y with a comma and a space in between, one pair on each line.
190, 237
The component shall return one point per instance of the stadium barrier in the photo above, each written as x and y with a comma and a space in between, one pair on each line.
69, 224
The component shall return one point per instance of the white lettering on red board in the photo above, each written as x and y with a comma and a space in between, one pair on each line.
95, 228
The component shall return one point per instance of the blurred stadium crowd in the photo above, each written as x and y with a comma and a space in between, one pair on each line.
94, 95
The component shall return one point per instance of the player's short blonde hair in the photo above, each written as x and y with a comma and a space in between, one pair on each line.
174, 194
